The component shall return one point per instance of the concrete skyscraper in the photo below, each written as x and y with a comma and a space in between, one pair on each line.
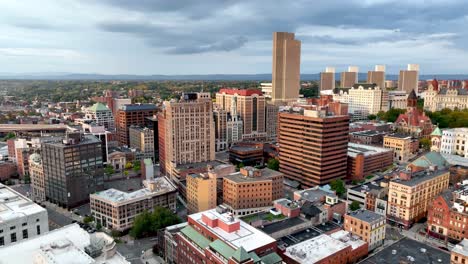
327, 79
377, 76
286, 67
350, 77
408, 79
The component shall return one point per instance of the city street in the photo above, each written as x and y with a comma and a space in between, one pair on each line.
134, 249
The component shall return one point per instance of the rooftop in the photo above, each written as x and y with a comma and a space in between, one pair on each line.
367, 133
97, 107
419, 177
455, 159
315, 249
265, 174
161, 186
138, 107
63, 245
368, 187
314, 194
396, 135
355, 149
407, 250
30, 127
197, 165
348, 238
13, 205
430, 159
282, 225
461, 248
241, 92
367, 216
247, 236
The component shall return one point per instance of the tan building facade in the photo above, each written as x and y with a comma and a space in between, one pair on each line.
367, 225
327, 79
350, 77
201, 192
459, 253
363, 99
408, 79
286, 67
186, 131
143, 140
36, 174
409, 196
403, 147
252, 190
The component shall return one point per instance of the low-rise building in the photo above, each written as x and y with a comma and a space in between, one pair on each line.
404, 146
252, 190
363, 160
115, 209
459, 253
397, 99
438, 98
20, 218
7, 170
142, 139
325, 201
367, 225
370, 196
410, 194
368, 137
249, 154
167, 243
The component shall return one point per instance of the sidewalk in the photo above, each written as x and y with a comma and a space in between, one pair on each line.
63, 211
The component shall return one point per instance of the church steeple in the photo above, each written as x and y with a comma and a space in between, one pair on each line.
412, 101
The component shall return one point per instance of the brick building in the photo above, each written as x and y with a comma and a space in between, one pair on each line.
367, 137
367, 225
363, 160
132, 114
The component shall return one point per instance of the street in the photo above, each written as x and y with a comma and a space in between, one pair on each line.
133, 249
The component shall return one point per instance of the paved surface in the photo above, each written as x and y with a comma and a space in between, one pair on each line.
57, 220
134, 249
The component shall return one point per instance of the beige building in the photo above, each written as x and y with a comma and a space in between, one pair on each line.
403, 146
286, 68
459, 253
36, 174
142, 139
397, 99
186, 131
249, 105
408, 79
454, 141
350, 77
201, 192
327, 79
252, 190
367, 225
377, 76
436, 100
363, 99
408, 196
115, 209
228, 126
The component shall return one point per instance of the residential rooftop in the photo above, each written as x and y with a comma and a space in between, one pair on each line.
367, 216
421, 176
314, 194
14, 205
265, 174
247, 236
161, 186
366, 150
315, 249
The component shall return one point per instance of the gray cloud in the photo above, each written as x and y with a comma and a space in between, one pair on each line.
223, 45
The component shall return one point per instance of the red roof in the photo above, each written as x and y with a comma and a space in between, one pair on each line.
413, 119
241, 92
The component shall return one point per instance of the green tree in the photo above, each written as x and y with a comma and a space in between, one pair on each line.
273, 164
126, 172
109, 170
148, 223
88, 219
338, 186
10, 135
98, 226
354, 206
425, 143
136, 166
128, 165
371, 117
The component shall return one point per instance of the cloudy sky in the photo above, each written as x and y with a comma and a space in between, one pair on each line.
229, 36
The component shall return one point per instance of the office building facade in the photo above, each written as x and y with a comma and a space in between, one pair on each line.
132, 114
408, 79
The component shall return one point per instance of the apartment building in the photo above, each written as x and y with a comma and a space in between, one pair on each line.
249, 105
455, 142
404, 146
367, 225
313, 145
36, 174
115, 209
252, 190
20, 217
377, 76
142, 139
350, 77
132, 115
201, 192
409, 196
186, 132
363, 99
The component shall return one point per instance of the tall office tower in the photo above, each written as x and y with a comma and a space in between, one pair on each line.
73, 169
408, 79
142, 139
350, 77
377, 76
250, 105
313, 145
152, 123
220, 119
132, 114
286, 75
327, 79
101, 115
228, 127
186, 131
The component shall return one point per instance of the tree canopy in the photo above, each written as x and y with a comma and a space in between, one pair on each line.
338, 186
391, 115
354, 206
273, 164
148, 223
447, 118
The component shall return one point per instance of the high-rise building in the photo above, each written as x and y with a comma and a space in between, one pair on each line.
350, 77
286, 67
377, 76
186, 131
228, 127
101, 115
73, 168
252, 190
201, 192
250, 106
36, 173
408, 79
142, 139
134, 114
327, 79
313, 145
363, 99
271, 121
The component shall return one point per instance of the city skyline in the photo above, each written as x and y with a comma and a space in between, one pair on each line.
118, 37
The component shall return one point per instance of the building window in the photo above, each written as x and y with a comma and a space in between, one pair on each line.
2, 241
25, 233
38, 230
13, 237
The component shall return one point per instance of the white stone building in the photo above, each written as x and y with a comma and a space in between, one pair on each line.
363, 99
455, 141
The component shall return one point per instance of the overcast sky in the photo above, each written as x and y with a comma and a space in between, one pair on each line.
228, 36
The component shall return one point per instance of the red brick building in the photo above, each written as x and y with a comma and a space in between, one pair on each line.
7, 170
363, 160
132, 114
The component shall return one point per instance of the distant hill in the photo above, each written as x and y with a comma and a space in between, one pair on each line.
206, 77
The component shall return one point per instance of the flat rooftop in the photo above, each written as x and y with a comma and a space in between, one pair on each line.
31, 127
407, 250
315, 249
162, 186
461, 248
367, 216
14, 206
247, 236
314, 194
366, 150
85, 139
138, 107
197, 165
282, 225
421, 176
368, 187
401, 136
348, 238
266, 174
368, 133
